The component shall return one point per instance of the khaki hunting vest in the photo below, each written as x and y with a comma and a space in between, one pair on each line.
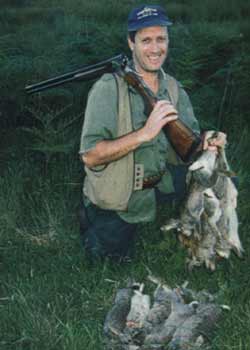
112, 187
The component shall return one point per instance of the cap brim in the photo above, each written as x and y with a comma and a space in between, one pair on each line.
136, 26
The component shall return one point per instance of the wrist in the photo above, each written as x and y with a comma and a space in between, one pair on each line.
141, 136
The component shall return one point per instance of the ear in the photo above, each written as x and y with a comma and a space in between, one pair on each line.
131, 44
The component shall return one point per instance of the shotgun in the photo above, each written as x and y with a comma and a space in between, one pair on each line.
185, 142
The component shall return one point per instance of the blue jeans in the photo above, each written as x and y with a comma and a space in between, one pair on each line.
104, 233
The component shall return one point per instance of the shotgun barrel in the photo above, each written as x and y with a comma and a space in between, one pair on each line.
92, 71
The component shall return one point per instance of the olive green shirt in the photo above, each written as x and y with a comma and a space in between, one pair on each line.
100, 123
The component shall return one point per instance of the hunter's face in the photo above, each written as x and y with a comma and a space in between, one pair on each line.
149, 48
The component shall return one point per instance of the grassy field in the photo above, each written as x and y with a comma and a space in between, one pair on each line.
51, 296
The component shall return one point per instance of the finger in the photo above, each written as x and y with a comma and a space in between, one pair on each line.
165, 112
219, 142
169, 109
169, 119
163, 104
163, 101
211, 142
171, 112
205, 145
212, 148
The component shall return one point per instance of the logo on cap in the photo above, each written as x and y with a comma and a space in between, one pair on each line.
146, 12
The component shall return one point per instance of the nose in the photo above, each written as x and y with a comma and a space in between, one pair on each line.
154, 47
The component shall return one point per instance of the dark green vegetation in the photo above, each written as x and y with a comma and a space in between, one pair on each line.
50, 296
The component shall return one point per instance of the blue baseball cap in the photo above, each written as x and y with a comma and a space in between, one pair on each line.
147, 16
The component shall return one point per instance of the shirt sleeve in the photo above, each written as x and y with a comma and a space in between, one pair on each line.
100, 119
185, 109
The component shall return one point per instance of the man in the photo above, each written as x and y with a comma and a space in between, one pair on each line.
128, 160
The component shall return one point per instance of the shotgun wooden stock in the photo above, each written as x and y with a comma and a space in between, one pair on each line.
185, 142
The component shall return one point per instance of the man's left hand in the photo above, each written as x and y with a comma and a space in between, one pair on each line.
214, 142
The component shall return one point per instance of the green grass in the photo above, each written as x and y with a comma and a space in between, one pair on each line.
51, 297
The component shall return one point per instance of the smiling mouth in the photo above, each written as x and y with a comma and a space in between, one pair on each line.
155, 59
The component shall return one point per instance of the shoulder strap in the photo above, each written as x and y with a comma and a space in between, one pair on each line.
124, 117
173, 89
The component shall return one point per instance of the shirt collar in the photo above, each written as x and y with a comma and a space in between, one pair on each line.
162, 82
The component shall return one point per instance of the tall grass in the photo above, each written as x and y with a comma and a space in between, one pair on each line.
51, 296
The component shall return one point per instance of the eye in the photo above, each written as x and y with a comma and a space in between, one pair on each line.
162, 39
146, 41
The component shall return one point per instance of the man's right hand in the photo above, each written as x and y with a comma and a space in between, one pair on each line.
163, 113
